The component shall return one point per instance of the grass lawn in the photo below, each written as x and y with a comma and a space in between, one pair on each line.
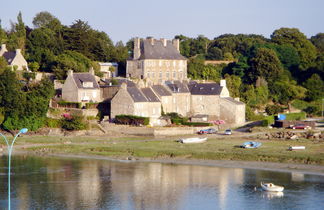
148, 147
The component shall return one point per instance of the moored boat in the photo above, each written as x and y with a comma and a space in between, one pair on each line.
193, 140
251, 144
271, 187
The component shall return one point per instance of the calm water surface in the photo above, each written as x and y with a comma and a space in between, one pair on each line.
60, 183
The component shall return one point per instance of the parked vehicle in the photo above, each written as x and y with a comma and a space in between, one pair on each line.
192, 140
228, 132
207, 131
301, 126
271, 187
251, 144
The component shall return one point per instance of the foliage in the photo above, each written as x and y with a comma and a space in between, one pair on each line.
43, 19
52, 123
132, 120
315, 88
273, 109
292, 36
196, 124
91, 105
233, 84
33, 66
285, 91
75, 122
70, 104
17, 38
198, 70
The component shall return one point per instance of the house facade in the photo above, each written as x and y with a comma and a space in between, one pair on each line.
81, 87
157, 60
108, 69
14, 58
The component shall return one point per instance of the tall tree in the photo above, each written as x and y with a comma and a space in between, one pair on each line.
44, 19
292, 36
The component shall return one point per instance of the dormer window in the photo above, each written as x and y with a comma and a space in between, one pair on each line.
87, 84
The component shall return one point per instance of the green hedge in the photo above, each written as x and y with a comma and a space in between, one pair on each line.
69, 104
52, 123
91, 105
296, 116
131, 120
196, 124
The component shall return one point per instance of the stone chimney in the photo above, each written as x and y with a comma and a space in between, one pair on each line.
237, 99
176, 44
18, 51
91, 71
137, 48
223, 83
151, 40
164, 42
70, 73
123, 86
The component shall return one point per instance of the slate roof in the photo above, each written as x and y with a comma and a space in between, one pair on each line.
120, 81
233, 100
158, 51
149, 94
205, 89
161, 90
136, 94
177, 87
9, 56
79, 78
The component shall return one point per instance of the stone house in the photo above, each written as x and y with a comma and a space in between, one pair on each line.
136, 101
180, 97
14, 58
81, 87
106, 69
157, 60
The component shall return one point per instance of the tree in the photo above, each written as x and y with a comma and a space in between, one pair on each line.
318, 41
265, 64
33, 66
17, 37
44, 19
292, 36
315, 87
233, 84
3, 35
285, 91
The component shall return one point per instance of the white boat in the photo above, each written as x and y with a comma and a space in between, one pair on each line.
296, 147
271, 187
193, 140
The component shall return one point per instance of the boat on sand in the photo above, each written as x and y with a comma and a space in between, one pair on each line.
251, 144
192, 140
271, 187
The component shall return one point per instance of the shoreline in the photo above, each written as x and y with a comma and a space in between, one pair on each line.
254, 165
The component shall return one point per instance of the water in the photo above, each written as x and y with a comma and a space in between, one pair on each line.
60, 183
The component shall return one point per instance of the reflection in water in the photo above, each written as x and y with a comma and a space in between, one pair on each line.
53, 183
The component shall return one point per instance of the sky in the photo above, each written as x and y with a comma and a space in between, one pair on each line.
125, 19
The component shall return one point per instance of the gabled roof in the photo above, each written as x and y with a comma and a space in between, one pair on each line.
149, 94
136, 94
161, 90
79, 78
9, 56
158, 51
205, 89
120, 81
177, 87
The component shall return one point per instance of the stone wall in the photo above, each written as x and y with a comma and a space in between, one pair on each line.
122, 103
205, 104
232, 112
70, 90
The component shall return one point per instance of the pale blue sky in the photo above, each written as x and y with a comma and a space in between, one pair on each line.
124, 19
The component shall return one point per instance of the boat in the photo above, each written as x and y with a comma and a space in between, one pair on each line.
296, 148
251, 144
271, 187
193, 140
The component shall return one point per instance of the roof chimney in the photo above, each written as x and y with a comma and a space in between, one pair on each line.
91, 71
176, 43
3, 49
151, 40
223, 83
137, 49
70, 73
123, 85
164, 42
18, 51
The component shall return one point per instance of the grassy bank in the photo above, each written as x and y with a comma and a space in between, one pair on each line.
145, 147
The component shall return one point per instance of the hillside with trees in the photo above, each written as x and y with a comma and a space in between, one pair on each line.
268, 74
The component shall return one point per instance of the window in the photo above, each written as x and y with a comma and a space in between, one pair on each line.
87, 84
148, 74
160, 74
94, 94
174, 74
153, 74
168, 75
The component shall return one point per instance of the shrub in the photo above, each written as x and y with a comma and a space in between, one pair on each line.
131, 120
75, 122
69, 104
273, 109
296, 116
91, 105
52, 123
196, 124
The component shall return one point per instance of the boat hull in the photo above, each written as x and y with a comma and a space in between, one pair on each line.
271, 187
193, 140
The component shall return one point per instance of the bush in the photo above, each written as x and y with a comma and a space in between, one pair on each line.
91, 105
75, 122
196, 124
296, 116
52, 123
273, 109
132, 120
16, 123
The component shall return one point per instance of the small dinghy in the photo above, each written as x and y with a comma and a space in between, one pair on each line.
271, 187
193, 140
251, 144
